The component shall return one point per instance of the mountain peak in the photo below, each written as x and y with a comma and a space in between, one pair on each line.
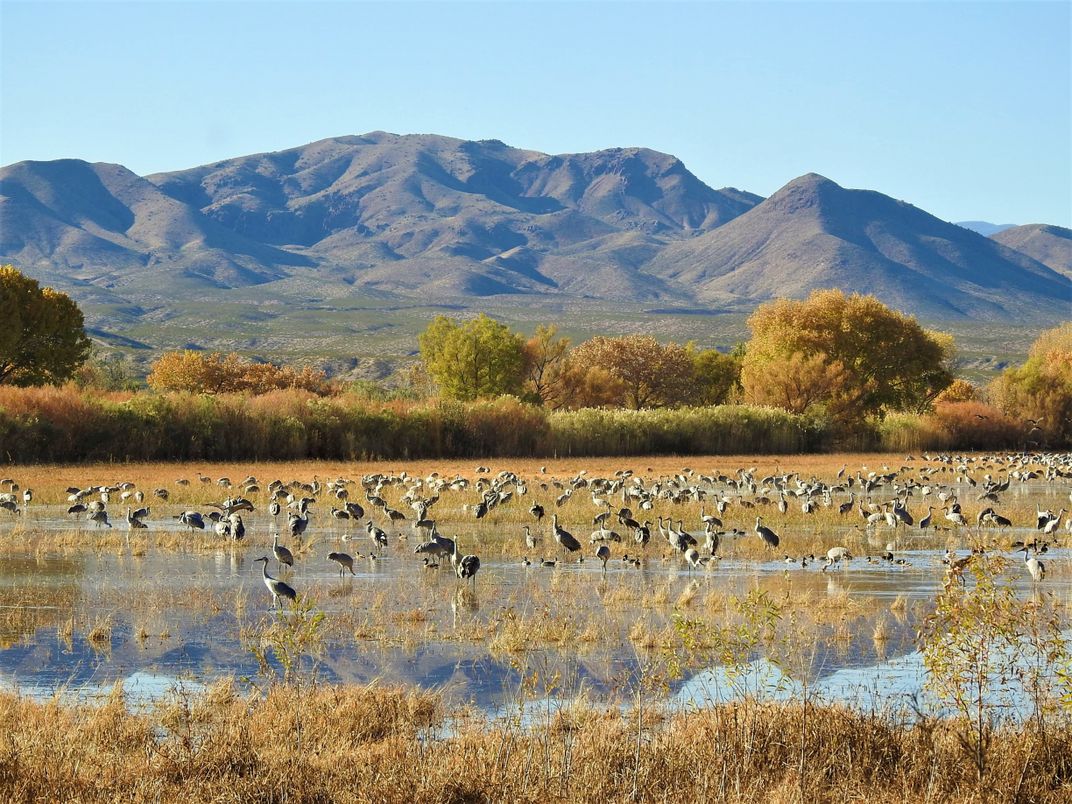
804, 192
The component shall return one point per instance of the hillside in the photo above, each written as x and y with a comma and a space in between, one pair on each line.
813, 233
457, 218
365, 237
1050, 245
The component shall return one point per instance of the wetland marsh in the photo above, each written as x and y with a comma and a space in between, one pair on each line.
149, 662
84, 606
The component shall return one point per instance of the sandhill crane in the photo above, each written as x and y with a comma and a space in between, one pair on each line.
238, 527
956, 517
603, 554
692, 556
378, 536
133, 522
344, 560
537, 511
1035, 567
531, 539
994, 518
711, 540
465, 567
709, 519
99, 516
192, 519
900, 511
1055, 521
232, 505
277, 587
74, 510
297, 524
1042, 517
564, 538
604, 535
928, 519
678, 539
282, 554
12, 506
769, 537
835, 555
274, 508
846, 507
642, 535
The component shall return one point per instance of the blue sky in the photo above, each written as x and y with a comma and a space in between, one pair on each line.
961, 108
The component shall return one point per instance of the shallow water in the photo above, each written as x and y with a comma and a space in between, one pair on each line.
180, 616
170, 615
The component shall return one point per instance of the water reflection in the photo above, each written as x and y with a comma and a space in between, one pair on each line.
85, 618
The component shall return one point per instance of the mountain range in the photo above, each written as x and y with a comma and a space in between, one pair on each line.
449, 221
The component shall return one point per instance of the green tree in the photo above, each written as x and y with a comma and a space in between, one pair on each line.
471, 360
715, 377
866, 358
43, 338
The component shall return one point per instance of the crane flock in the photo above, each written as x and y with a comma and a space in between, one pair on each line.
626, 502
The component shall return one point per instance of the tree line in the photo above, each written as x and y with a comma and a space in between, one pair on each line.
847, 357
847, 360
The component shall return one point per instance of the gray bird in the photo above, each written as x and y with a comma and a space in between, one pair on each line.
277, 587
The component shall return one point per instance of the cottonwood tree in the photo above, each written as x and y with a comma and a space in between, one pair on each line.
1040, 391
715, 377
650, 374
472, 360
547, 366
213, 373
851, 354
42, 334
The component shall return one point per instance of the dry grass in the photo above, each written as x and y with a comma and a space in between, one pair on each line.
390, 745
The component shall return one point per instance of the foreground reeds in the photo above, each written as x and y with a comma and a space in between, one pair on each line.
377, 744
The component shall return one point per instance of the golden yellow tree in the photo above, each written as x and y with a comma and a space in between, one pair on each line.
213, 373
864, 357
546, 366
649, 373
1039, 392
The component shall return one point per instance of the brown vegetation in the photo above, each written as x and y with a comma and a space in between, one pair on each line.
213, 373
382, 744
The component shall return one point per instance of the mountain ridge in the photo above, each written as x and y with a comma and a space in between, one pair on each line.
444, 219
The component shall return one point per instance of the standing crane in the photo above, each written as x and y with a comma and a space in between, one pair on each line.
282, 554
564, 538
378, 535
769, 537
277, 587
1035, 567
465, 567
344, 560
603, 554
